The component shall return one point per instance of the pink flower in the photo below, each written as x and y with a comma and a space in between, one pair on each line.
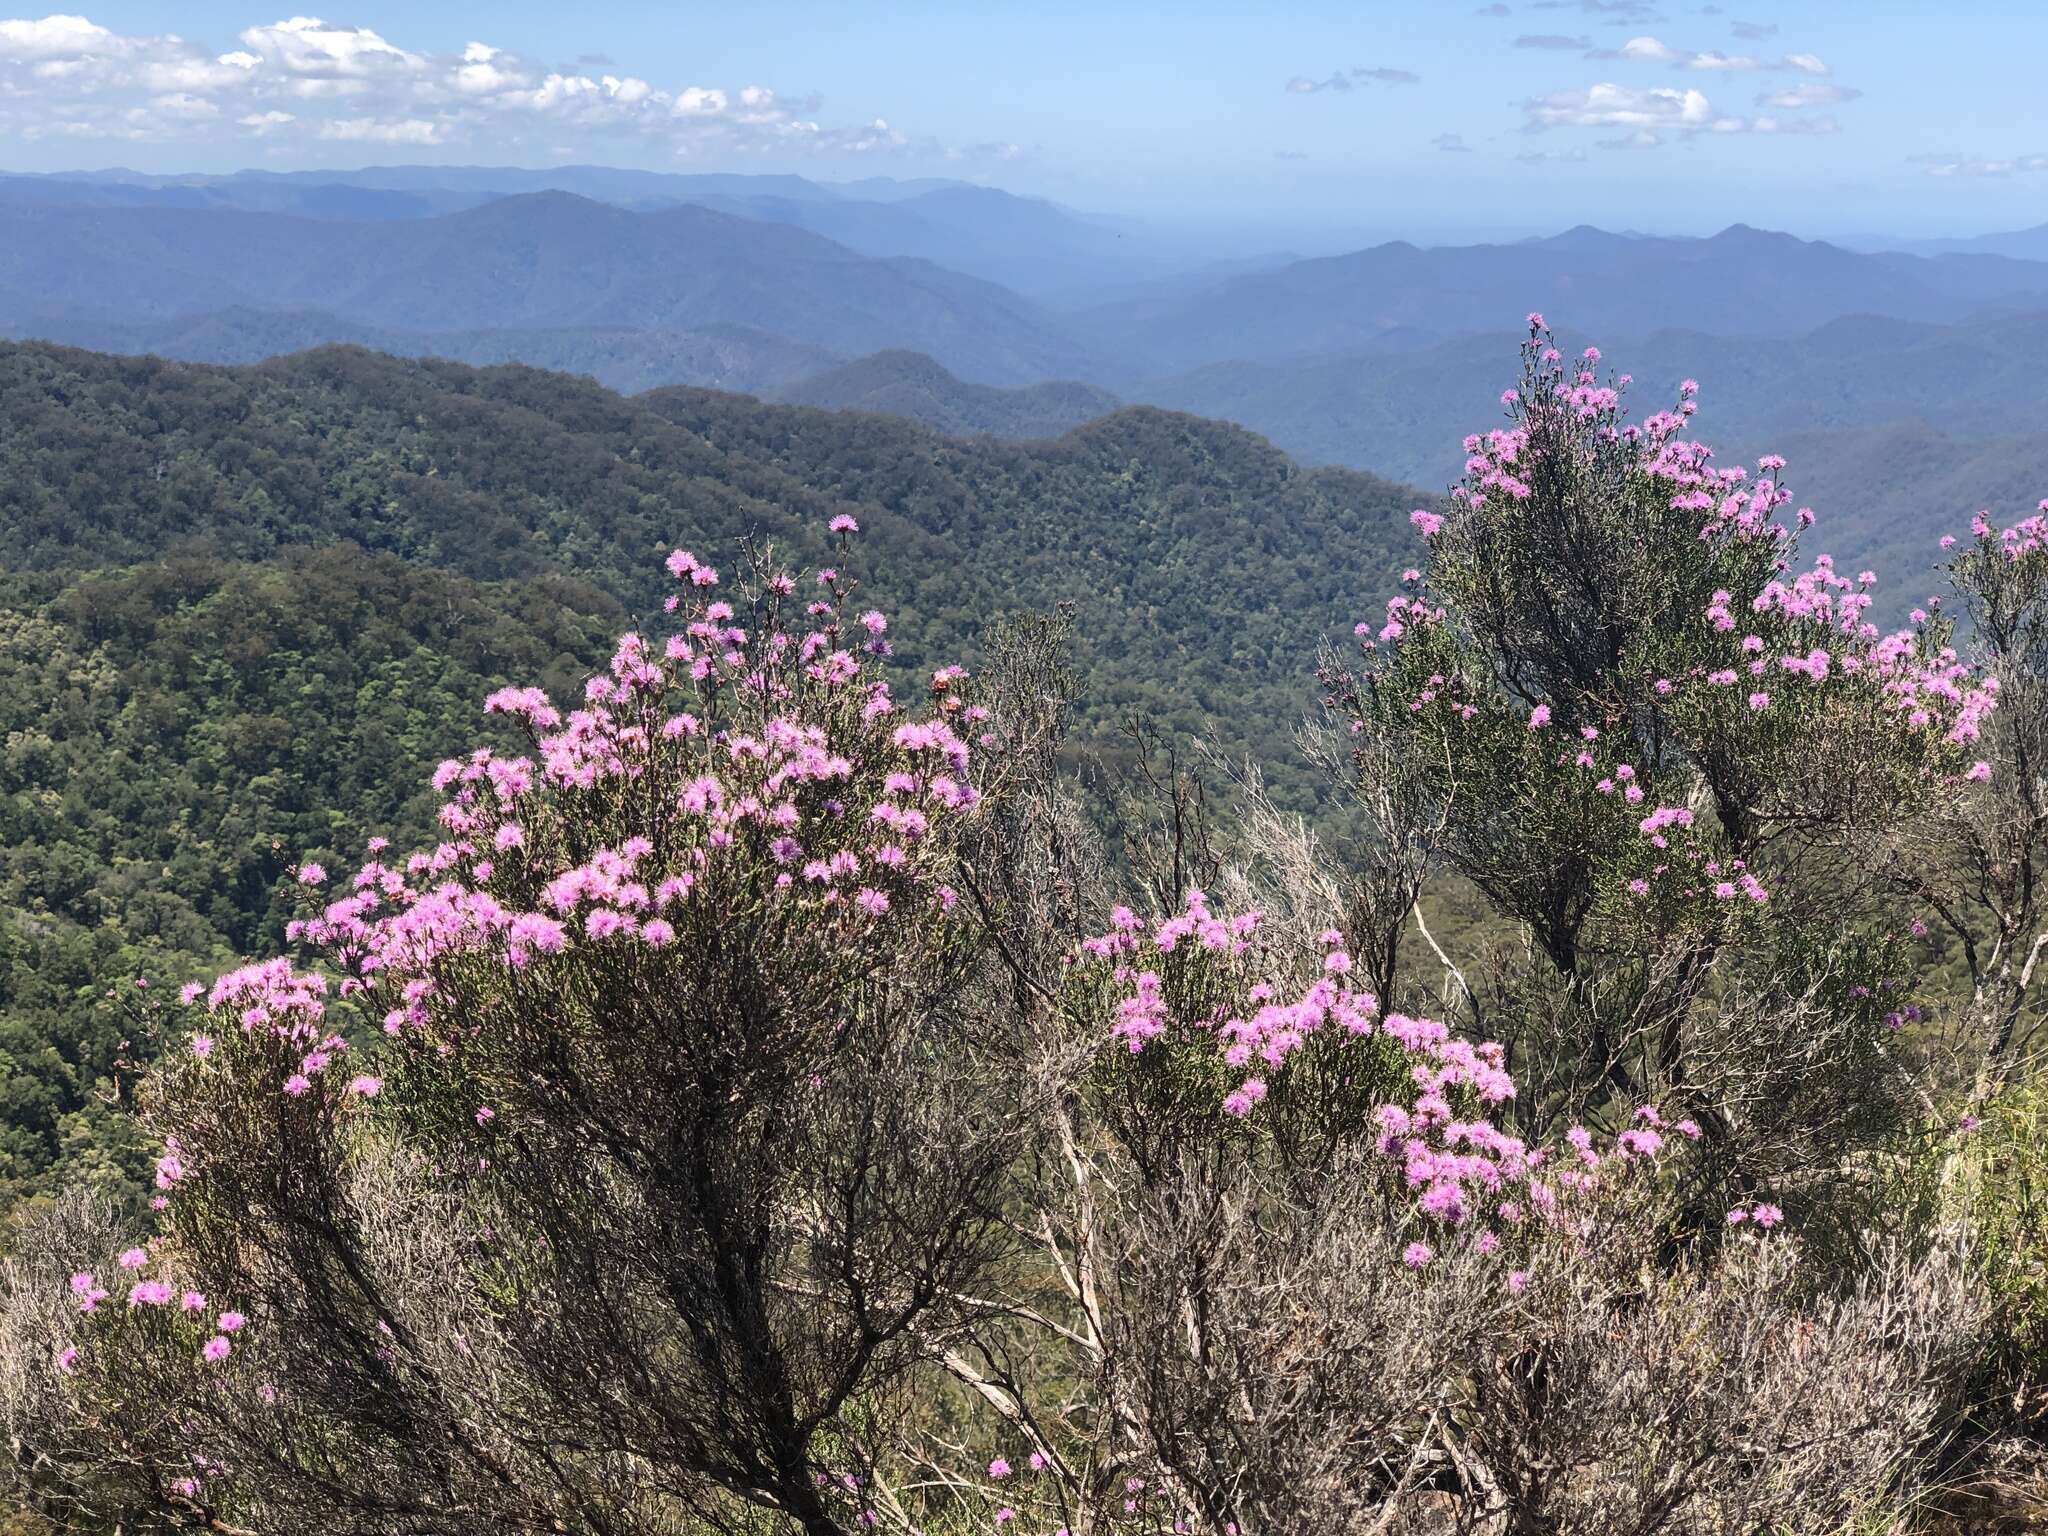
216, 1348
843, 524
1979, 773
1539, 717
1416, 1255
999, 1468
366, 1087
230, 1322
297, 1084
134, 1258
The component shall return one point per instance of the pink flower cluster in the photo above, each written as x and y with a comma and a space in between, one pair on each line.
735, 767
1457, 1163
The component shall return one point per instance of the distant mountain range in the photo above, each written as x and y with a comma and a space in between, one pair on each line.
1026, 243
1000, 289
1742, 281
2023, 244
544, 261
976, 311
1405, 411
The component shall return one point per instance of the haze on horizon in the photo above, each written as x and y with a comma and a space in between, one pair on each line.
1439, 121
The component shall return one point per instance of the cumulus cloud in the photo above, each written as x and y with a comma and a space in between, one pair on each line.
369, 130
55, 37
1966, 165
315, 79
1618, 106
1652, 50
309, 48
1712, 59
1351, 79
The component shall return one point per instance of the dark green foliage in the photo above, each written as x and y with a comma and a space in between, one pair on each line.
249, 609
1202, 564
911, 384
171, 738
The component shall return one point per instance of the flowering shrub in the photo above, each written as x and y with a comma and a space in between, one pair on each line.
1676, 761
657, 1086
758, 1110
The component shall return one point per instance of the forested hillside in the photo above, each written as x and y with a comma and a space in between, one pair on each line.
912, 385
248, 609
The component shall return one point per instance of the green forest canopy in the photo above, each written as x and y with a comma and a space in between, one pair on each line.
247, 609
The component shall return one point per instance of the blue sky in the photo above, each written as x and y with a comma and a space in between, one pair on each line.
1423, 119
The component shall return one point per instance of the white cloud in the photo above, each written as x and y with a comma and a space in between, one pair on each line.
66, 75
1452, 143
1351, 79
1951, 165
181, 104
1808, 95
190, 74
1552, 156
1802, 126
368, 130
698, 102
306, 45
1651, 50
1712, 60
56, 37
1618, 106
1648, 48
